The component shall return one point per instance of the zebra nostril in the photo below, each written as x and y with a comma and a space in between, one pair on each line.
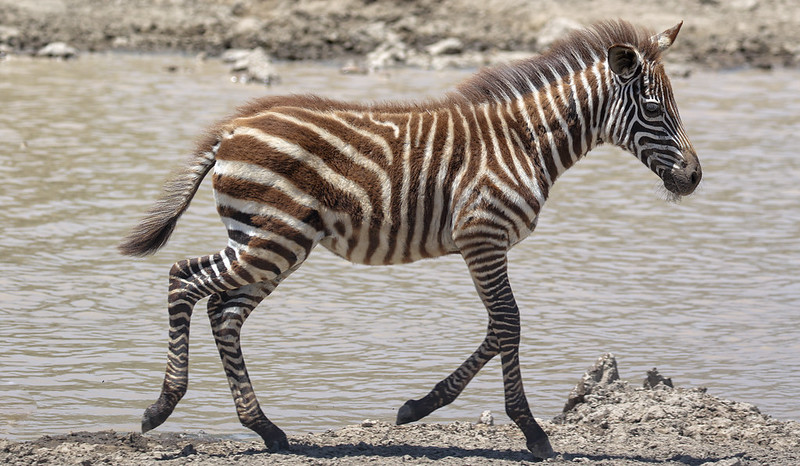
695, 178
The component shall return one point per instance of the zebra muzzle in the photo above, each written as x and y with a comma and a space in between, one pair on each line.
683, 180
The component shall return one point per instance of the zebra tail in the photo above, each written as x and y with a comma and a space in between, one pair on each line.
155, 228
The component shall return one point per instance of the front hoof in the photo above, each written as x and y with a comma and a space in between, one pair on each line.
275, 440
541, 448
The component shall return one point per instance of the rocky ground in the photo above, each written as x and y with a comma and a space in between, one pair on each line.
610, 422
717, 33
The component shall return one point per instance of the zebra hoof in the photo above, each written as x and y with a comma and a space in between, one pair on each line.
407, 413
155, 415
541, 448
275, 440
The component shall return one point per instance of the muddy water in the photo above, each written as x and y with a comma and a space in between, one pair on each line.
705, 290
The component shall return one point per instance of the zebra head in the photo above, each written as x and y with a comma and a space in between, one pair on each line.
644, 118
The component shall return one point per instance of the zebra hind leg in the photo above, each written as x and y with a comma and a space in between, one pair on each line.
189, 282
227, 312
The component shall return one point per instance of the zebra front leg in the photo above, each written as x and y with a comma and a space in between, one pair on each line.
227, 312
446, 391
491, 280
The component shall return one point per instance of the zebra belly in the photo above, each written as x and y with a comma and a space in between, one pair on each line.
378, 242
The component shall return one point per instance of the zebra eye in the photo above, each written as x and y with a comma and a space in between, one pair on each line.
652, 109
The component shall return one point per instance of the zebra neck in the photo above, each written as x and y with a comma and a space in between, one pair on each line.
563, 118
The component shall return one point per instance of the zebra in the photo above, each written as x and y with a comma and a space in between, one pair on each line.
393, 182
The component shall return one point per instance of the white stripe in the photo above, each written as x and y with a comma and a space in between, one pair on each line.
496, 144
531, 182
266, 210
434, 241
265, 177
402, 232
266, 235
560, 119
468, 191
416, 239
548, 132
395, 128
379, 141
351, 153
458, 197
523, 109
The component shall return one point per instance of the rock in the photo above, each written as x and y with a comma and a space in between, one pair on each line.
603, 373
58, 50
9, 35
248, 26
449, 46
654, 379
252, 66
234, 55
459, 61
391, 52
486, 418
353, 67
744, 5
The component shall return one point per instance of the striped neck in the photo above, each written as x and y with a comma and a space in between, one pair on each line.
559, 108
565, 98
564, 115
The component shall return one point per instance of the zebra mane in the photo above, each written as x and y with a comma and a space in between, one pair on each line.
577, 50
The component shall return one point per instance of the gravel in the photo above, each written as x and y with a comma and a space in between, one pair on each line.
615, 423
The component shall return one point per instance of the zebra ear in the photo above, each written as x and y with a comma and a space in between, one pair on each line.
666, 38
623, 60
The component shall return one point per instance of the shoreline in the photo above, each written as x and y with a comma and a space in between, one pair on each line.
609, 421
426, 33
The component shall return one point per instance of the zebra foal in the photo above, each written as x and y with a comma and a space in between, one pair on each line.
394, 183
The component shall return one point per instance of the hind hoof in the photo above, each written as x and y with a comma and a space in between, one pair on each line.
155, 415
407, 413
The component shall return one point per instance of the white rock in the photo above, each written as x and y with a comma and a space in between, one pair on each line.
57, 50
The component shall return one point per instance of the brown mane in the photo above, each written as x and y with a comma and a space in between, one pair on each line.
497, 83
585, 45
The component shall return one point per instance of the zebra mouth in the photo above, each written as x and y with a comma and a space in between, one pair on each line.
683, 181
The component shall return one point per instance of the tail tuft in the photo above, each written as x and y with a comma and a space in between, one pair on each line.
158, 224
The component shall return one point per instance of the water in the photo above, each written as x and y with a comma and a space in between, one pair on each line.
705, 290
